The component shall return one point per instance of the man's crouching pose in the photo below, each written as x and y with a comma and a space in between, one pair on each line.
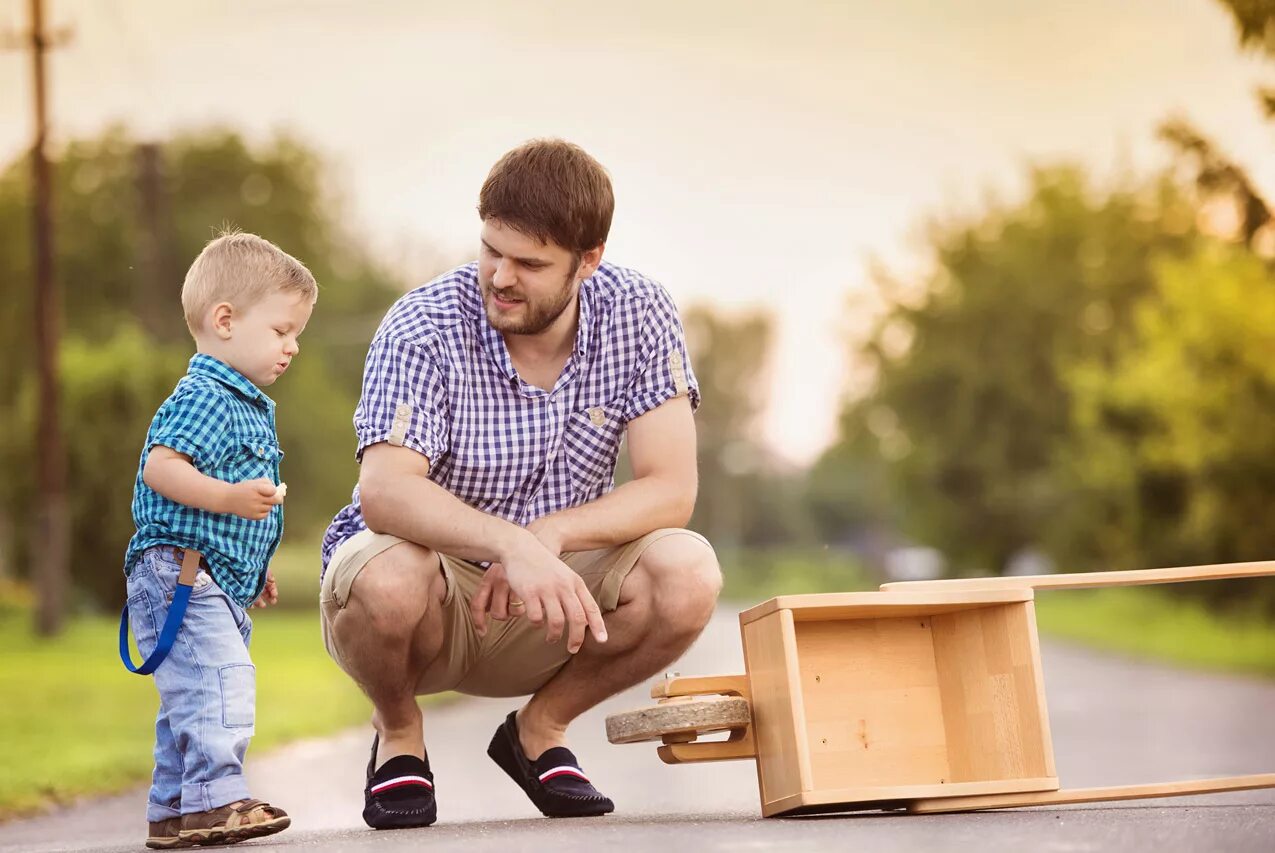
486, 549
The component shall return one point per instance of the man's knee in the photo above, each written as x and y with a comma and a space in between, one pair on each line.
685, 577
394, 590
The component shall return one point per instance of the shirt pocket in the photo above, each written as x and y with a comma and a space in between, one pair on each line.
590, 444
255, 457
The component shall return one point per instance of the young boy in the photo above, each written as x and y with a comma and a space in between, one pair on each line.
209, 481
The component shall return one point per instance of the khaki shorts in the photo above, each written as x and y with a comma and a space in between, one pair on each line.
513, 659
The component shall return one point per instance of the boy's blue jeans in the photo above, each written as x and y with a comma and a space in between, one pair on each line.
207, 689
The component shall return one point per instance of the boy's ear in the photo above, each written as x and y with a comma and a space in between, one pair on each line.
222, 314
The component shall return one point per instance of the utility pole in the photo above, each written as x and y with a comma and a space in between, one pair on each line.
52, 529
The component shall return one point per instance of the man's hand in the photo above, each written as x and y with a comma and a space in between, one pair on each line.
535, 581
252, 499
270, 594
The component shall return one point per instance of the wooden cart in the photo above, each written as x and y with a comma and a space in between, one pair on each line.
925, 695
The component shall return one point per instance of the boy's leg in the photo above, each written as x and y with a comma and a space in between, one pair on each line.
208, 686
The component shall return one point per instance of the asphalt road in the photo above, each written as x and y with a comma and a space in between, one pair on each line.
1114, 722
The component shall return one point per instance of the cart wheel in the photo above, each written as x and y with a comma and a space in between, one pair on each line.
679, 719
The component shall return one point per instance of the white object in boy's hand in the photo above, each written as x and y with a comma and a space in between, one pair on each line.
281, 492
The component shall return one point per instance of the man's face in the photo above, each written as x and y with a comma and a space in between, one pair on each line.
526, 285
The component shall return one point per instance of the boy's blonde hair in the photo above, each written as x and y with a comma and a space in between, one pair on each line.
241, 269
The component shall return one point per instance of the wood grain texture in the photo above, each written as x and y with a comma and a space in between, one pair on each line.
1093, 795
779, 717
1089, 580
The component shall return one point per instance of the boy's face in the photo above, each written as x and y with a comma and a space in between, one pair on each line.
527, 285
261, 341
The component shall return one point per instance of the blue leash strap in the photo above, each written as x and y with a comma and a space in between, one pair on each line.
172, 622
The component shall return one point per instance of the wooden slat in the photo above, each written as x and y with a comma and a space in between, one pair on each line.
779, 718
873, 709
987, 677
699, 685
869, 797
1089, 580
739, 745
874, 605
1093, 795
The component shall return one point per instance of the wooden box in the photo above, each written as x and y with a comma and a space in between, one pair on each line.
861, 699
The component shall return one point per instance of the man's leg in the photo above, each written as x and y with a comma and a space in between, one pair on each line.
389, 632
665, 602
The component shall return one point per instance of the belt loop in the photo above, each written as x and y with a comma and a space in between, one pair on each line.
190, 567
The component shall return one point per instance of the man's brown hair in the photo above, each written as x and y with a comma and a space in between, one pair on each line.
551, 190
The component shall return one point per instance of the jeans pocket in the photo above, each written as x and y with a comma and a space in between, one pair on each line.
238, 695
141, 618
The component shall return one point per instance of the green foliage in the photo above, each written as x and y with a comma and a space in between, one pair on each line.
109, 393
1173, 448
970, 407
130, 220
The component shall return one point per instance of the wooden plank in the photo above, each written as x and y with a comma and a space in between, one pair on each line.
1089, 580
987, 676
779, 718
697, 685
1038, 678
874, 605
868, 797
739, 745
873, 710
1092, 795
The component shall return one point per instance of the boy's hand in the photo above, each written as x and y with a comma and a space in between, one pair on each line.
269, 595
252, 499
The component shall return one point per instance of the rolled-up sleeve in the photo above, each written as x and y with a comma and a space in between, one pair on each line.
664, 370
404, 400
195, 424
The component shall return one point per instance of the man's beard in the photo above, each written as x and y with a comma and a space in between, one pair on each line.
537, 316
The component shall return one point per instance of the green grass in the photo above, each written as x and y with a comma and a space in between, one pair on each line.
1150, 623
73, 722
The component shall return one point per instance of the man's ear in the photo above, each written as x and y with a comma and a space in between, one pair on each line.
222, 315
589, 262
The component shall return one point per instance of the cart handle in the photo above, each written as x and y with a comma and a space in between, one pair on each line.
1088, 580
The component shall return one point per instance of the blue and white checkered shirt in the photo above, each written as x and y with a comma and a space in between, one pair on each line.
226, 425
439, 380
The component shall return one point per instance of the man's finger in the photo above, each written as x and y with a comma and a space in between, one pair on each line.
592, 613
576, 623
478, 606
554, 619
535, 610
499, 606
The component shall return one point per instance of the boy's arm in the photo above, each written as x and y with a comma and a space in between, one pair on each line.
172, 475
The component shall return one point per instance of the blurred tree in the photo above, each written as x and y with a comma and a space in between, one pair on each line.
131, 219
1174, 451
970, 409
744, 497
1255, 22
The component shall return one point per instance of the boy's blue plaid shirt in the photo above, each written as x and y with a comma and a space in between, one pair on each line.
226, 425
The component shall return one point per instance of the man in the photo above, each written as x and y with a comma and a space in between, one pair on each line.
487, 549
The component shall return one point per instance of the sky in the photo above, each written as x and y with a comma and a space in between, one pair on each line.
765, 155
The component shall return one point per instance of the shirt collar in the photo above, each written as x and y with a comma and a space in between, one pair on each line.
202, 364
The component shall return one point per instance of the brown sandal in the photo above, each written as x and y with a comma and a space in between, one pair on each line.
233, 823
166, 834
